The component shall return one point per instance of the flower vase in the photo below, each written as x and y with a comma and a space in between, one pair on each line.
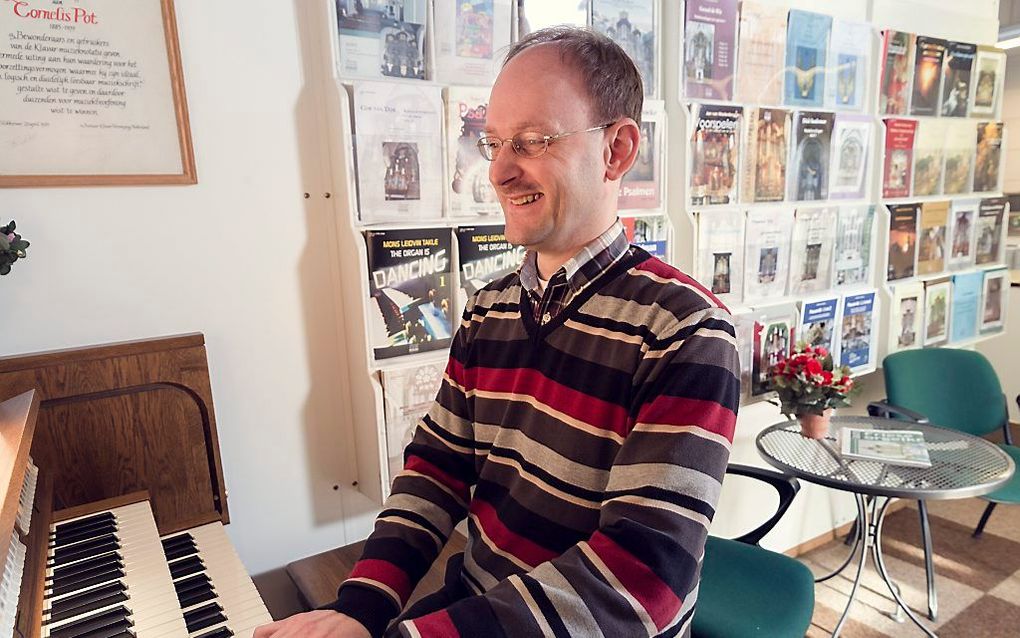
815, 426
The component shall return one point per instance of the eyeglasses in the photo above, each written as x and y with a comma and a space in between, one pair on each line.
526, 144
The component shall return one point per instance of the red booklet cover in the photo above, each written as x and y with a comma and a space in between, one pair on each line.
899, 157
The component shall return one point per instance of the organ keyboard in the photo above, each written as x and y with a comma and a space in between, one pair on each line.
135, 546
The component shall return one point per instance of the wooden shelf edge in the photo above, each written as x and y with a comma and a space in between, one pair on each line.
18, 416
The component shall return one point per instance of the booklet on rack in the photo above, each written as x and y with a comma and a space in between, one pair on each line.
928, 57
641, 186
715, 153
710, 28
470, 191
760, 53
897, 64
808, 174
485, 256
894, 447
807, 43
959, 152
377, 42
768, 143
956, 79
988, 157
852, 258
631, 24
471, 41
407, 395
720, 265
989, 70
648, 232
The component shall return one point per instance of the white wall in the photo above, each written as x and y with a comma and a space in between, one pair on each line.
245, 259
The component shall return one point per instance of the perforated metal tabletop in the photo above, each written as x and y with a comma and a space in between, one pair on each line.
962, 465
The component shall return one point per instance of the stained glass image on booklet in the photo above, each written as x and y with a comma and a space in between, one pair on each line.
893, 447
850, 151
811, 250
760, 53
767, 253
956, 79
641, 186
382, 38
631, 24
411, 286
407, 395
715, 149
720, 265
485, 256
853, 254
807, 44
472, 37
897, 66
470, 192
808, 175
928, 57
768, 146
849, 60
710, 28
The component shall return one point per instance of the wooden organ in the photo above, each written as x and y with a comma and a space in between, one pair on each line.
113, 515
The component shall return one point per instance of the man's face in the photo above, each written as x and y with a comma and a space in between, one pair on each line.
549, 201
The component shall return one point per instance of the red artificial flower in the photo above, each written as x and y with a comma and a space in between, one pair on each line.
813, 367
821, 352
826, 377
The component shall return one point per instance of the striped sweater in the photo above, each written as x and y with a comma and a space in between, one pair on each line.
596, 444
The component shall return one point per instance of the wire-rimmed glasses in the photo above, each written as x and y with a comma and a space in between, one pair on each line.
525, 144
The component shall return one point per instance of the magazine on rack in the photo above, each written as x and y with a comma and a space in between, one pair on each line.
852, 257
962, 221
959, 152
987, 78
484, 256
858, 331
966, 305
721, 254
902, 241
931, 237
929, 141
760, 53
808, 176
988, 157
382, 39
767, 253
818, 323
774, 336
399, 162
768, 146
905, 322
539, 14
937, 298
899, 157
715, 150
411, 286
893, 447
649, 232
897, 66
956, 79
471, 39
850, 151
470, 192
631, 24
929, 54
641, 186
849, 61
993, 300
988, 231
710, 38
811, 250
743, 326
407, 395
807, 43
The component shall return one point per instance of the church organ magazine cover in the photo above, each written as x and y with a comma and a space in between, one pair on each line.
956, 79
993, 301
715, 153
382, 38
818, 317
472, 36
937, 307
959, 152
989, 71
761, 53
857, 330
720, 265
807, 44
648, 232
899, 157
929, 142
931, 237
768, 233
850, 151
988, 231
469, 192
398, 150
902, 241
963, 325
962, 221
641, 186
852, 258
411, 289
408, 394
897, 68
907, 313
811, 250
775, 334
808, 174
928, 57
849, 61
484, 256
767, 150
631, 24
988, 157
709, 54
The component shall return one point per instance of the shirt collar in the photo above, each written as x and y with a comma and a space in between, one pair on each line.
585, 266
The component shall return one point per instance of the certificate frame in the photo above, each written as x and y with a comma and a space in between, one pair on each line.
94, 175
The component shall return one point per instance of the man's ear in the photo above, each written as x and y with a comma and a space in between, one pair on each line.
624, 138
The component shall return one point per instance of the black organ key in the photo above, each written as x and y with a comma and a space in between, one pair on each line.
66, 539
83, 522
105, 560
116, 629
63, 612
219, 632
105, 577
202, 617
95, 622
87, 549
186, 567
192, 582
181, 551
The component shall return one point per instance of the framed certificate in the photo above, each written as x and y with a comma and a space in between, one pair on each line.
92, 93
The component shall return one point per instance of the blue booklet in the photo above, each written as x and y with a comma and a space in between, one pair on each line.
807, 42
966, 301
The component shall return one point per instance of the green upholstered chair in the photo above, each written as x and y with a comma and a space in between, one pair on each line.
747, 590
955, 389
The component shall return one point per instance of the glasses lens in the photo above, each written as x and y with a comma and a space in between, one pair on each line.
489, 147
530, 144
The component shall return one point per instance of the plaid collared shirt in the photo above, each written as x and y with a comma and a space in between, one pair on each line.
573, 276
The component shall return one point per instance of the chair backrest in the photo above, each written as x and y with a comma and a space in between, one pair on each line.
956, 389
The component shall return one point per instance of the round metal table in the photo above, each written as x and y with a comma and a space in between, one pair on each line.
962, 466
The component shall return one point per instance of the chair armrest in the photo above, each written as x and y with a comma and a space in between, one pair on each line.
887, 410
786, 486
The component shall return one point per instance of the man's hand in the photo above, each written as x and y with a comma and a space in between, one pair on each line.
314, 624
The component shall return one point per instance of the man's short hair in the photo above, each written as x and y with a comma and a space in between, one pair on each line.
611, 77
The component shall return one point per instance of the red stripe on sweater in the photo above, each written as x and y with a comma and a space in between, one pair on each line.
438, 624
386, 573
506, 539
575, 404
420, 465
661, 602
707, 415
664, 270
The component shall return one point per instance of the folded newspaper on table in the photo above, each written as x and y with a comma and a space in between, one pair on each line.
895, 447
